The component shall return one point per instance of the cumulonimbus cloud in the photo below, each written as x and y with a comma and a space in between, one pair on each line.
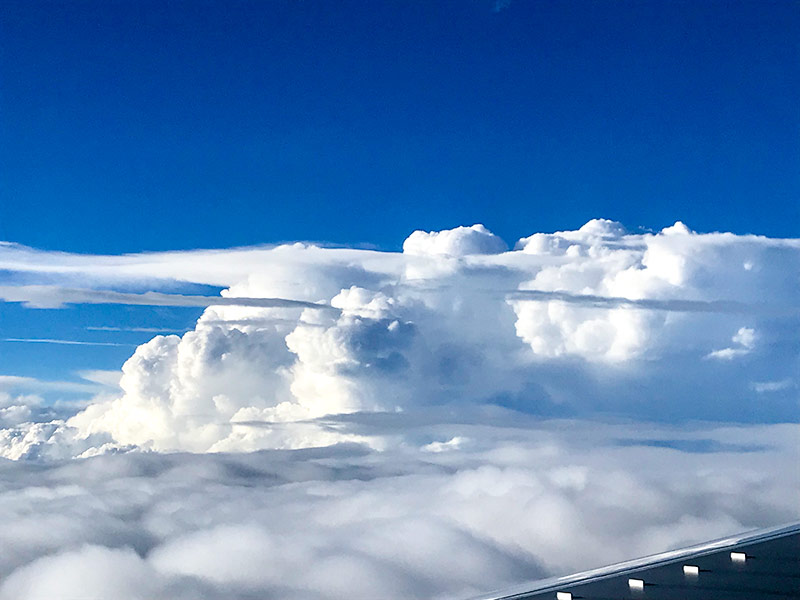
592, 320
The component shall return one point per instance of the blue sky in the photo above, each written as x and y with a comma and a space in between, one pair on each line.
418, 406
133, 126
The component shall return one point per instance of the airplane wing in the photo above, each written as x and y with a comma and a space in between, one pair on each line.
758, 565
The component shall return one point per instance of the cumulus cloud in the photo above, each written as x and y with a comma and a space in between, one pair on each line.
17, 410
22, 406
592, 320
461, 241
744, 341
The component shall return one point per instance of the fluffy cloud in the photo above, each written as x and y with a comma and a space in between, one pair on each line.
517, 498
744, 341
592, 320
461, 241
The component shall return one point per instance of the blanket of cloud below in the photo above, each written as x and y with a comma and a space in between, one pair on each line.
454, 505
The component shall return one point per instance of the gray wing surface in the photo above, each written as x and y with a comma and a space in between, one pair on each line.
758, 565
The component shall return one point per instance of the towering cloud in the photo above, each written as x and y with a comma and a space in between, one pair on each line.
591, 320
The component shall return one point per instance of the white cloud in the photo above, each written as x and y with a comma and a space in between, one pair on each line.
453, 443
728, 353
744, 340
15, 411
461, 241
525, 498
26, 416
763, 387
50, 296
136, 329
592, 320
94, 573
60, 342
14, 382
745, 337
105, 378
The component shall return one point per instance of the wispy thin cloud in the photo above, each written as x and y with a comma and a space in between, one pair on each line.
727, 353
670, 305
49, 296
744, 341
762, 387
62, 342
16, 382
46, 296
106, 378
257, 322
138, 329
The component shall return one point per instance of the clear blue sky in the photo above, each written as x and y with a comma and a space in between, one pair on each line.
131, 126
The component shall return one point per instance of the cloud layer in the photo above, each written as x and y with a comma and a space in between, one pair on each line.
515, 499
